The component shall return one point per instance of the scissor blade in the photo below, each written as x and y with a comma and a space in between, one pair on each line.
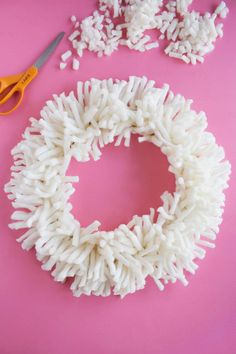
48, 51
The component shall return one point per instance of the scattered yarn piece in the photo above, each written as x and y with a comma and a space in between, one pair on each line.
75, 64
66, 55
189, 34
62, 65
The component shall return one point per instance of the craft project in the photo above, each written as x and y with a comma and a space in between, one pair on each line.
164, 244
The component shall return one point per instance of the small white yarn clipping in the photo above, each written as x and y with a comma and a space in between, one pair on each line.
189, 35
163, 244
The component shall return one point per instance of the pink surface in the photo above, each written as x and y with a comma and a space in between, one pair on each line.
39, 316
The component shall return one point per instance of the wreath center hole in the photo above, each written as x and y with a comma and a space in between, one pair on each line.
125, 181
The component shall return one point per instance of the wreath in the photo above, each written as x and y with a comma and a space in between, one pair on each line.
164, 244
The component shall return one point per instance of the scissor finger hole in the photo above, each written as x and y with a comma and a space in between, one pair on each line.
11, 102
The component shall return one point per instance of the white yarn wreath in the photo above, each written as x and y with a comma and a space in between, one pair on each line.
162, 245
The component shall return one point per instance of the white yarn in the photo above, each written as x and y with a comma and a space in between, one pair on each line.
189, 34
163, 245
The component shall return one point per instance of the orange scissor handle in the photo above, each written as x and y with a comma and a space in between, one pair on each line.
15, 84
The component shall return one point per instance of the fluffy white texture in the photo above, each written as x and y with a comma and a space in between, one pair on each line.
193, 36
139, 17
182, 6
163, 244
111, 4
222, 10
190, 35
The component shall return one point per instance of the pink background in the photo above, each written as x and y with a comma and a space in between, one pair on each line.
40, 316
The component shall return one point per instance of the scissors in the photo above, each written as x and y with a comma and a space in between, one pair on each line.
16, 84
